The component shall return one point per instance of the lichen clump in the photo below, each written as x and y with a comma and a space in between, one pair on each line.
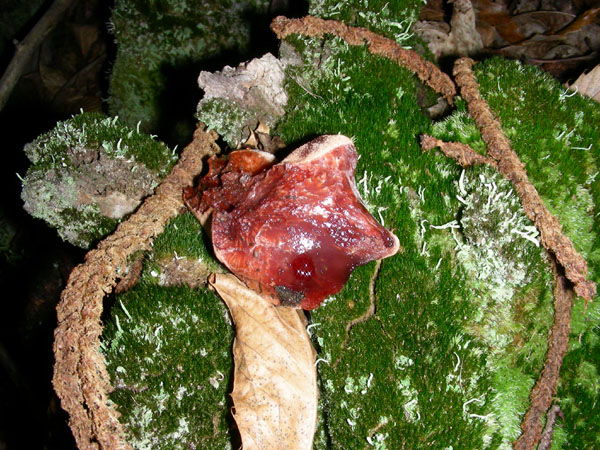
90, 172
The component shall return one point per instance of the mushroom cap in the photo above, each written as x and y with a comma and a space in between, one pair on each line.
300, 227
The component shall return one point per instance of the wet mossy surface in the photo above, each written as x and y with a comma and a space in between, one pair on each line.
556, 134
184, 237
560, 145
441, 362
462, 313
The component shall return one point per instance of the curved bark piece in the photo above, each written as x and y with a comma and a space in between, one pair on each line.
377, 44
80, 376
545, 387
513, 169
275, 380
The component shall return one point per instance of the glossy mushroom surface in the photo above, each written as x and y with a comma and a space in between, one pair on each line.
293, 231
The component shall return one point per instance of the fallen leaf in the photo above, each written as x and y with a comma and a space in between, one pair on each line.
581, 21
275, 382
497, 15
588, 84
537, 22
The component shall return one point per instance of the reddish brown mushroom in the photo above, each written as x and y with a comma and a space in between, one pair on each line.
293, 231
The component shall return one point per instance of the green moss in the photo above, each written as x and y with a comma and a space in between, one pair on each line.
391, 19
460, 127
560, 147
185, 237
169, 353
383, 384
82, 226
96, 131
453, 349
462, 312
555, 133
155, 38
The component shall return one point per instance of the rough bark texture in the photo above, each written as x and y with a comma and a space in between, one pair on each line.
513, 169
545, 387
256, 86
80, 376
462, 153
378, 45
548, 434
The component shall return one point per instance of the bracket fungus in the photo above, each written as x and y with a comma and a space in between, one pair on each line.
292, 231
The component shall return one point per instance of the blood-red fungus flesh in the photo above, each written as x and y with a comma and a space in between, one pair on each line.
294, 231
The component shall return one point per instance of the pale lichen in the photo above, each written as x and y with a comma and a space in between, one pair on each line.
90, 172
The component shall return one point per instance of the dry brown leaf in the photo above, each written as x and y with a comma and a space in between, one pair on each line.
275, 381
588, 84
582, 21
496, 14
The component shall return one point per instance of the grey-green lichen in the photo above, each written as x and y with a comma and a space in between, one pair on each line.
162, 37
89, 172
228, 119
496, 245
236, 100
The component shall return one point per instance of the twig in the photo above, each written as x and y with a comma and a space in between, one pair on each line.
26, 48
513, 169
378, 45
80, 376
548, 433
462, 153
545, 387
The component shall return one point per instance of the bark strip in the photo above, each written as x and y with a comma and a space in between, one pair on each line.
80, 376
558, 344
548, 433
464, 155
513, 169
311, 26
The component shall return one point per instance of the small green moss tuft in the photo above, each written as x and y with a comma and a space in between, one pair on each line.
184, 237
